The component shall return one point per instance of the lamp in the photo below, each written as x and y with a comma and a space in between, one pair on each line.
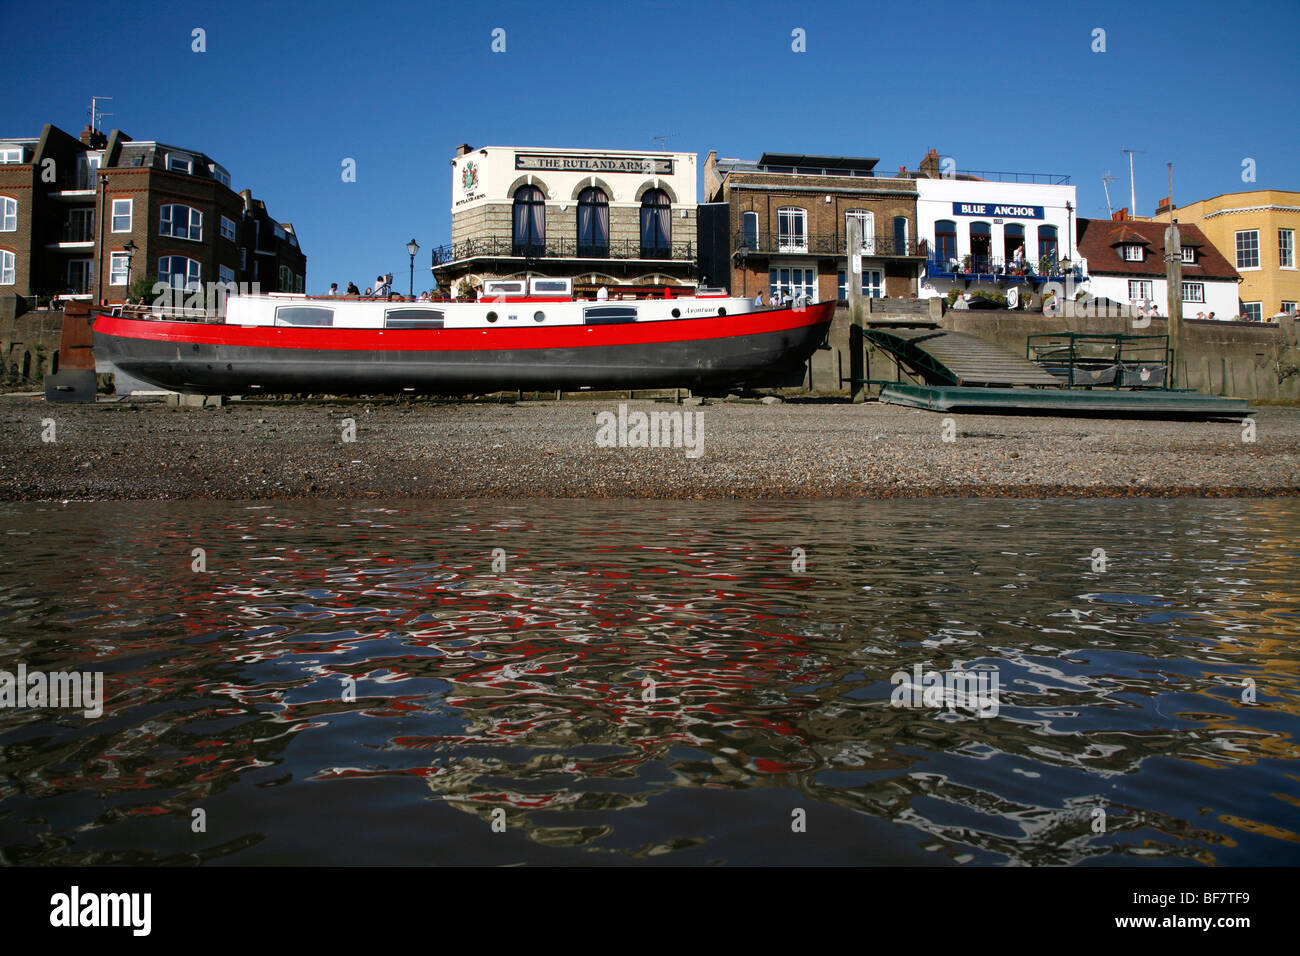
412, 248
130, 250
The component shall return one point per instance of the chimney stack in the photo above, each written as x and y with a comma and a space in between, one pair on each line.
1165, 205
93, 138
462, 149
930, 164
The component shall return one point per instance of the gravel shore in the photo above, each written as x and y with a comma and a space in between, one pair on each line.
248, 450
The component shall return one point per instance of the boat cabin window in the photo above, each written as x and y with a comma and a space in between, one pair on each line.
551, 286
413, 319
608, 314
497, 287
304, 315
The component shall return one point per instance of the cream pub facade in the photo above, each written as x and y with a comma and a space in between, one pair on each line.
623, 219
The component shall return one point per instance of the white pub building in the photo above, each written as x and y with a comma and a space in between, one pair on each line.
995, 231
622, 219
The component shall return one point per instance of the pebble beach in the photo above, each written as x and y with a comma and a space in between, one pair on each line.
546, 449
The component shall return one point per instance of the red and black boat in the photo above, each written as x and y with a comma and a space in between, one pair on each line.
519, 334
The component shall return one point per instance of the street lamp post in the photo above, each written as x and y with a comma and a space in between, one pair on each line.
412, 248
129, 249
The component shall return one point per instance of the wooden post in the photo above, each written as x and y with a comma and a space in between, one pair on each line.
853, 279
1174, 296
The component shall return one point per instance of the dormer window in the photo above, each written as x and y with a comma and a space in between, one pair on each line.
11, 154
1189, 255
1132, 253
220, 175
179, 163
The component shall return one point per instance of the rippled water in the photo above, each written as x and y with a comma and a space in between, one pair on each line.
654, 681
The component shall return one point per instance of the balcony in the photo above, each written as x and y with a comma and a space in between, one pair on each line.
766, 244
997, 269
77, 230
498, 247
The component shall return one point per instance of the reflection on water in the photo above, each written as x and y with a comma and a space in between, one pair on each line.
653, 681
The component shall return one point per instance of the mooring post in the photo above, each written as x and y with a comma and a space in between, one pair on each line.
853, 254
1174, 297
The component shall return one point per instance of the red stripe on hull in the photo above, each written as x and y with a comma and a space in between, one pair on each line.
520, 336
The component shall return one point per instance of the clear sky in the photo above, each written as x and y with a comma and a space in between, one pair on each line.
285, 92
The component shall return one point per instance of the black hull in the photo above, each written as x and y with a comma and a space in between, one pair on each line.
767, 359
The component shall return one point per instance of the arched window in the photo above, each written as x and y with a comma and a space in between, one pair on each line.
656, 225
180, 272
900, 235
792, 229
981, 247
749, 230
529, 222
945, 243
8, 267
1013, 244
593, 223
8, 214
1047, 247
180, 222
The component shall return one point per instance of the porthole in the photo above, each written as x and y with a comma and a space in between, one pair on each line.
539, 316
722, 312
491, 316
677, 313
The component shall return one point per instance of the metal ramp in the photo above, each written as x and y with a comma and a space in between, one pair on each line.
942, 357
1107, 402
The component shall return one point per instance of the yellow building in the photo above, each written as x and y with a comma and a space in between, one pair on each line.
1256, 232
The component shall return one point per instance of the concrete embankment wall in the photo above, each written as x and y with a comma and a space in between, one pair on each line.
1245, 359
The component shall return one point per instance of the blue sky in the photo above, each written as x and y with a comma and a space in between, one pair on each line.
286, 91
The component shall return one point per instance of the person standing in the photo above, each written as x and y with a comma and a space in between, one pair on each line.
602, 294
334, 289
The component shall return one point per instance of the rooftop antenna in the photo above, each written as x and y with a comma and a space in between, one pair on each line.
1132, 191
95, 113
663, 140
1105, 184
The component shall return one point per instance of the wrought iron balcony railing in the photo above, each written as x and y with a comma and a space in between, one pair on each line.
77, 231
968, 266
502, 247
818, 245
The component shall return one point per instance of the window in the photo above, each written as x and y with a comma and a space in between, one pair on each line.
868, 220
1048, 249
945, 244
981, 248
179, 272
873, 284
413, 319
1133, 253
792, 229
304, 316
8, 214
1189, 255
286, 279
1286, 248
1194, 292
1248, 249
1013, 243
225, 274
900, 235
11, 155
593, 223
122, 209
1253, 311
220, 175
529, 222
749, 230
243, 259
1139, 290
7, 268
81, 276
796, 282
656, 225
180, 222
608, 314
299, 282
119, 265
1287, 307
227, 229
179, 163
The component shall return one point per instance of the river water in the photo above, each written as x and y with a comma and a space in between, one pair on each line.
675, 682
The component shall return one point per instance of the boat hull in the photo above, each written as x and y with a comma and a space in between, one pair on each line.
757, 349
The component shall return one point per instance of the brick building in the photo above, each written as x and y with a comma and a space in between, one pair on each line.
72, 209
618, 218
785, 219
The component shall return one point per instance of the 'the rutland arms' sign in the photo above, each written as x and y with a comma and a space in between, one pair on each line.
997, 210
595, 163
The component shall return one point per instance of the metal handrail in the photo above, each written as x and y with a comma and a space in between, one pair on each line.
506, 247
831, 244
